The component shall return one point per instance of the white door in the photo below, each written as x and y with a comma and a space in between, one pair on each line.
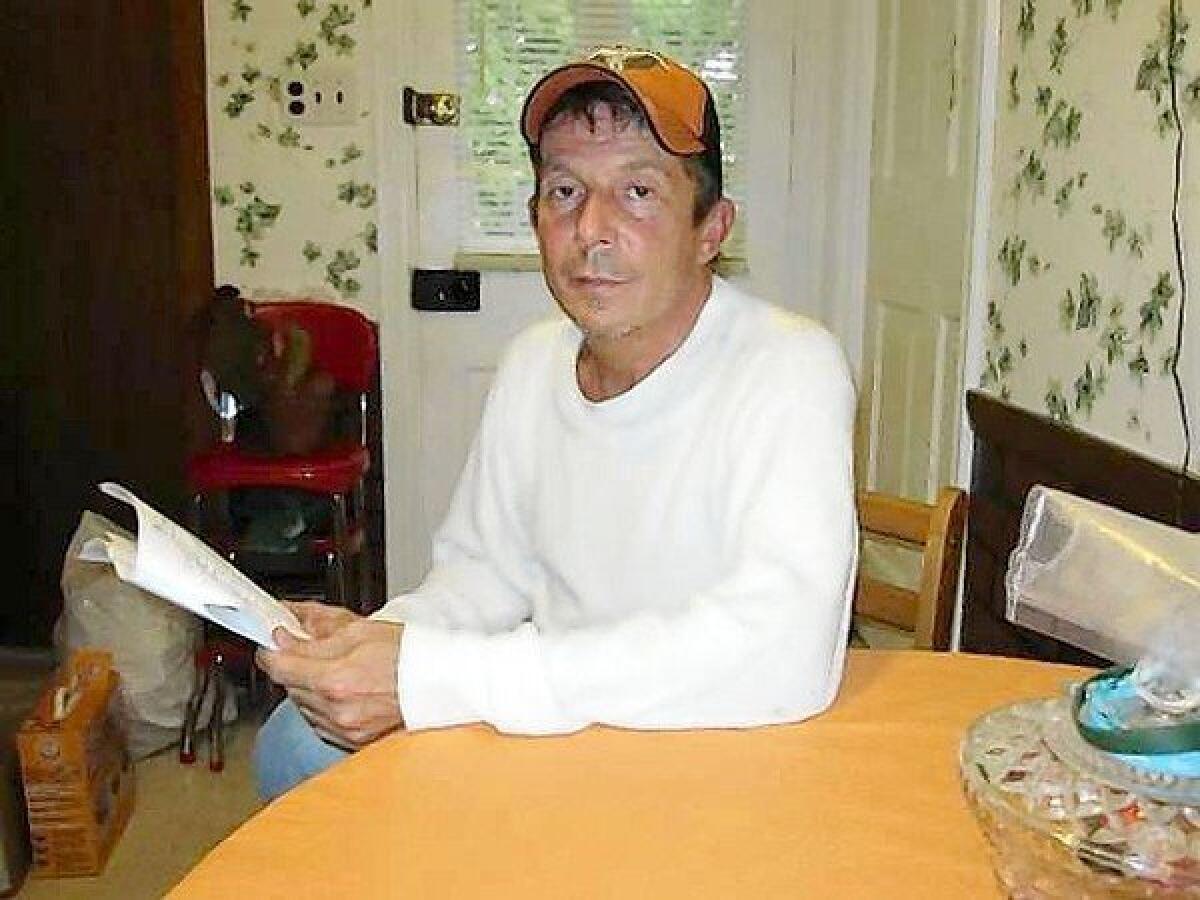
922, 188
438, 366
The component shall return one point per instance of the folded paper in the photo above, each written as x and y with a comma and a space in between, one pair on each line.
169, 561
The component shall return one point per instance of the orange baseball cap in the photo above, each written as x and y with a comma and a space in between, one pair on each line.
678, 105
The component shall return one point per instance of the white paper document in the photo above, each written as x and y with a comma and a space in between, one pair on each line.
176, 565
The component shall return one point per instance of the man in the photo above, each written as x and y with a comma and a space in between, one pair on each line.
655, 525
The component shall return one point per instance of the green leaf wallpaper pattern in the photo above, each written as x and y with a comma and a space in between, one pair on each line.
1041, 102
1139, 366
1025, 25
1060, 45
1062, 126
1160, 58
1166, 365
292, 203
1191, 98
289, 137
1152, 310
995, 323
1066, 191
1082, 310
1081, 296
337, 273
359, 194
1056, 403
1114, 227
254, 217
302, 56
1012, 252
237, 102
1137, 242
1088, 386
1031, 178
1115, 341
333, 25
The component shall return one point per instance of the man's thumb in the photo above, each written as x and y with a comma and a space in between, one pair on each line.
337, 644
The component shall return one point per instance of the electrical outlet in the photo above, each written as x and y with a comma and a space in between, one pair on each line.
321, 97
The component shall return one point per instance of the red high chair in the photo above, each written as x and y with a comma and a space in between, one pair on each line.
344, 344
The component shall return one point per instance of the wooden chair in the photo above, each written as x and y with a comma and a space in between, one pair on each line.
937, 532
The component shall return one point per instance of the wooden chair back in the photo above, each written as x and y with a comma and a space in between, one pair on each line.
937, 532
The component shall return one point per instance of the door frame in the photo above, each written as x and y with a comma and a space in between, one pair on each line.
821, 250
830, 188
975, 314
391, 51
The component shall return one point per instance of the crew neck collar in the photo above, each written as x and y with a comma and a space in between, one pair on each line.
664, 384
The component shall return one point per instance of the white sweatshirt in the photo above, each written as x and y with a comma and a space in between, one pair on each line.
679, 556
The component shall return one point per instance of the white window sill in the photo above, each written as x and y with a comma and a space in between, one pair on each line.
532, 262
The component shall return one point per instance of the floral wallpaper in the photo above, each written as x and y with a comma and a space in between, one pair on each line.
294, 203
1084, 287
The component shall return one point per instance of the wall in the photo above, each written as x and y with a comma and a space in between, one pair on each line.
1083, 288
294, 204
1083, 292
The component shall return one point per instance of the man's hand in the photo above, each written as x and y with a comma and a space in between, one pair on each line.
321, 620
344, 680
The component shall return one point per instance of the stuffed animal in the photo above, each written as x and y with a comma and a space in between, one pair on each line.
298, 399
282, 404
235, 347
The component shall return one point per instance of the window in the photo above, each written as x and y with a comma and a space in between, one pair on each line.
504, 46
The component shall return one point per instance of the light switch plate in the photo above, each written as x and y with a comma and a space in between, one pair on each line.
445, 290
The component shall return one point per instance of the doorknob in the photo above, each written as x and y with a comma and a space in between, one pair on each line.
430, 109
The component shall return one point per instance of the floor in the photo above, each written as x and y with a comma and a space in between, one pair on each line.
180, 813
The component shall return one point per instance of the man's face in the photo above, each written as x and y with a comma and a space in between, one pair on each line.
614, 221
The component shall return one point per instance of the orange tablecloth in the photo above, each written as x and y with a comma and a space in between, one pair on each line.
863, 801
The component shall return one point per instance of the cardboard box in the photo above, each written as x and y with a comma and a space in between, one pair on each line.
75, 768
24, 672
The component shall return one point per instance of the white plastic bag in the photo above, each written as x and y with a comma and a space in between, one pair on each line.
153, 642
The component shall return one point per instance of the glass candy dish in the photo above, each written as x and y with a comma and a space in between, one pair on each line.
1064, 819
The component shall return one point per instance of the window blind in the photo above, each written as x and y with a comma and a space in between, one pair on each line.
504, 46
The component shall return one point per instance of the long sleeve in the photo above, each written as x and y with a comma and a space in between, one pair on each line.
760, 642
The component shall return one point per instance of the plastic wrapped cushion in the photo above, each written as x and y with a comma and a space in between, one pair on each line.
1105, 580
